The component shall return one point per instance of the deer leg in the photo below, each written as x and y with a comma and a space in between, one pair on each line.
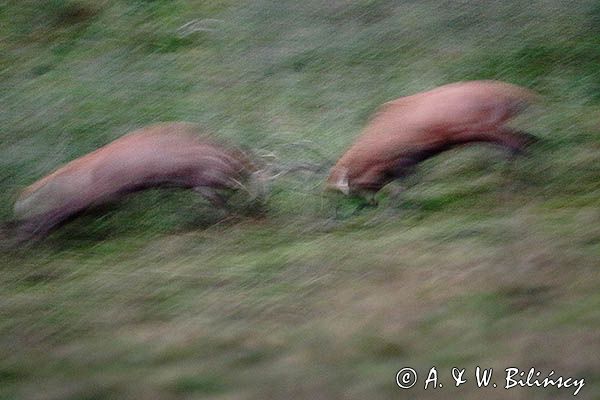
516, 140
39, 226
512, 139
395, 195
211, 195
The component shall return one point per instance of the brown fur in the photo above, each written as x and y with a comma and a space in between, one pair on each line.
168, 154
411, 129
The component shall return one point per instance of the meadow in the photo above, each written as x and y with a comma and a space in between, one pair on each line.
483, 261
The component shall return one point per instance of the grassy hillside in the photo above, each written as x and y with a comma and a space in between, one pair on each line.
483, 262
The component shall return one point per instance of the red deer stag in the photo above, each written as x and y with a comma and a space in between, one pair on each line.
411, 129
168, 154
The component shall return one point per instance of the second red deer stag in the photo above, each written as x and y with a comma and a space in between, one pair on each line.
411, 129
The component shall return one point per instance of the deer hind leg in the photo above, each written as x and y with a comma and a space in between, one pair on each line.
514, 140
210, 194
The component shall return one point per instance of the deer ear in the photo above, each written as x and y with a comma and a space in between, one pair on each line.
342, 182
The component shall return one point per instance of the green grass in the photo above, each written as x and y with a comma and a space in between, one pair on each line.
483, 262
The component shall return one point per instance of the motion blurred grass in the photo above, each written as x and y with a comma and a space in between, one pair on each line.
484, 262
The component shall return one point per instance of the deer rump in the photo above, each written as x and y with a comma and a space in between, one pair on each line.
411, 129
163, 155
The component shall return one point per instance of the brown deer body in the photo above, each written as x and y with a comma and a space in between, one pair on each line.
411, 129
168, 154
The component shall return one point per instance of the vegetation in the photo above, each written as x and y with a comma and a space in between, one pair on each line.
484, 261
